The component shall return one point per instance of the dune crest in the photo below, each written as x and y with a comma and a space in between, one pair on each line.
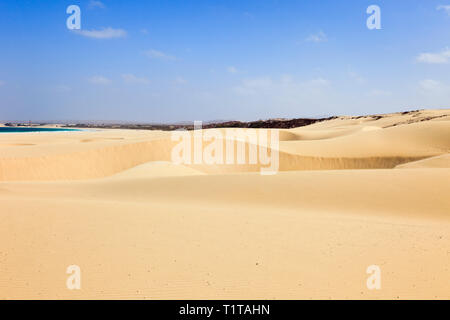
381, 142
142, 227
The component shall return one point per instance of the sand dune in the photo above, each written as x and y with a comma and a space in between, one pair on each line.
155, 169
442, 161
316, 147
140, 226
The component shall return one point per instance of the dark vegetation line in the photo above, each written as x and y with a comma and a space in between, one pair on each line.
269, 124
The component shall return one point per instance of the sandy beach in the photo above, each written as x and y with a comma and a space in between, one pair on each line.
350, 192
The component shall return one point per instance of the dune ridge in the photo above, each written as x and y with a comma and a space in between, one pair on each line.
351, 192
334, 144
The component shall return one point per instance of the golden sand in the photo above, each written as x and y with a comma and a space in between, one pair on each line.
351, 192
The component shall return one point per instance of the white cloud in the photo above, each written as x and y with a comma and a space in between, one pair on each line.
435, 58
318, 37
155, 54
96, 4
99, 80
2, 83
132, 79
105, 33
232, 69
446, 8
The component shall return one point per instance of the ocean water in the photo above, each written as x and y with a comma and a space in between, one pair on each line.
32, 129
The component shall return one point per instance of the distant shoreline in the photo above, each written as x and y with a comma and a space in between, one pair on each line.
34, 129
275, 123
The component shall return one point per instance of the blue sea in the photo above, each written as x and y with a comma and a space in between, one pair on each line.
32, 129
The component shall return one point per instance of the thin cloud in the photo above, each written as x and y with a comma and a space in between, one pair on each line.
356, 77
232, 69
2, 83
286, 85
105, 33
99, 80
317, 38
287, 79
180, 80
319, 82
251, 86
435, 91
96, 4
379, 93
249, 15
445, 8
260, 82
132, 79
435, 58
155, 54
62, 88
430, 85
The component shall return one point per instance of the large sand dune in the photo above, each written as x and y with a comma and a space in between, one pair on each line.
351, 192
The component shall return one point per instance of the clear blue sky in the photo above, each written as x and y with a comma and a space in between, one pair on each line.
163, 61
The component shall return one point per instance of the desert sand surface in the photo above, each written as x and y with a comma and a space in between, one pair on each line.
350, 193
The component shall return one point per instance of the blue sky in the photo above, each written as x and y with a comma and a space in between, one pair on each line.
164, 61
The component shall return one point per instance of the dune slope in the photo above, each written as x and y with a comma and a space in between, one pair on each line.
139, 226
